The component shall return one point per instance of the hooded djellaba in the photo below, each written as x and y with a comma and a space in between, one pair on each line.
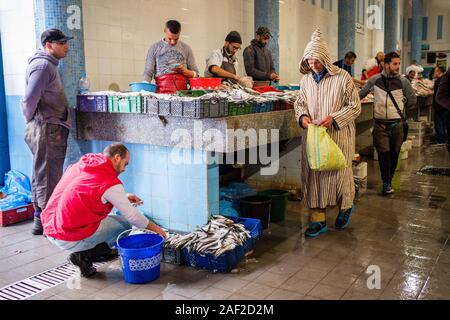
329, 93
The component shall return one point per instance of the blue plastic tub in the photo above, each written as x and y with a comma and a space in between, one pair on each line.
236, 191
141, 257
138, 86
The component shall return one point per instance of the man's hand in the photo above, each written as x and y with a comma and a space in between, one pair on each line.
274, 77
155, 228
135, 200
327, 122
305, 121
183, 70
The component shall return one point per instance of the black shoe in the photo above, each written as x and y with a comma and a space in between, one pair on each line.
103, 253
81, 260
387, 188
37, 227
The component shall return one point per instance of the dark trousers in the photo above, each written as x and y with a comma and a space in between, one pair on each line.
48, 144
388, 140
448, 133
441, 119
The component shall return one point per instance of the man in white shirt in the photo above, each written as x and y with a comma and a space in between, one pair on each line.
78, 215
223, 63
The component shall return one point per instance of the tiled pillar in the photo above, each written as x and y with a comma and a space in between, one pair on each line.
4, 148
267, 14
390, 25
347, 23
416, 34
66, 15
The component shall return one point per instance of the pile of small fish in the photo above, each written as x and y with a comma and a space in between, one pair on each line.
423, 87
218, 236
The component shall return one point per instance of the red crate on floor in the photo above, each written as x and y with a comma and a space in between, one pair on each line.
19, 214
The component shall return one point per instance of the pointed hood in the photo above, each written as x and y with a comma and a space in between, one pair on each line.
317, 48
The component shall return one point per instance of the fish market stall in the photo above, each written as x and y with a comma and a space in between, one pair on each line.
197, 125
423, 110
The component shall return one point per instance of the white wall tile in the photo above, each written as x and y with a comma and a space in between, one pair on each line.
18, 42
123, 25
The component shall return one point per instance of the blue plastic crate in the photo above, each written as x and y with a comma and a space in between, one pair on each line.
92, 103
228, 260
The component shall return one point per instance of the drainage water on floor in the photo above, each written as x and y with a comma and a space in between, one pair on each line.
434, 171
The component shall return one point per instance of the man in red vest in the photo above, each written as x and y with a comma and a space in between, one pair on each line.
77, 217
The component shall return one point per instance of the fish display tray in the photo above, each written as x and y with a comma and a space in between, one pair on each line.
262, 107
171, 255
92, 103
228, 260
198, 109
128, 104
237, 109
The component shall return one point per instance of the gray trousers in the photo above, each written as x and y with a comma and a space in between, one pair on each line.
48, 144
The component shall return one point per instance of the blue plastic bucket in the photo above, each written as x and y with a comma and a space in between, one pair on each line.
141, 256
138, 86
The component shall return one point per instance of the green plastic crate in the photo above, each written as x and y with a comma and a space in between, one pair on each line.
126, 104
191, 93
238, 109
233, 108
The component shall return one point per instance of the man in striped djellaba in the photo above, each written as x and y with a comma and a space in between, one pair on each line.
327, 97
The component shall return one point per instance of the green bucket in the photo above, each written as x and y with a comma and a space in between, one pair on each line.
279, 203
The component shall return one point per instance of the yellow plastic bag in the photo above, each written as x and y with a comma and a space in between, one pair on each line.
323, 153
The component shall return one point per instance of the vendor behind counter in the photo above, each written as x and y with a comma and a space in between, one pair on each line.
170, 61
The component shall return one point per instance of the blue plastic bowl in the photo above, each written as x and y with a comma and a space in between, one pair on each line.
138, 86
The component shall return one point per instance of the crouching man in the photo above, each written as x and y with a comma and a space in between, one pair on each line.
77, 217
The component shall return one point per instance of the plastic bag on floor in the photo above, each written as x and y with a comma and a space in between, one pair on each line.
17, 190
323, 153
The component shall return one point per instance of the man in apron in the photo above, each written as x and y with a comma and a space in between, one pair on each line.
222, 63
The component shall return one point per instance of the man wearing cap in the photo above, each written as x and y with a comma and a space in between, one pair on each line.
222, 63
257, 58
45, 108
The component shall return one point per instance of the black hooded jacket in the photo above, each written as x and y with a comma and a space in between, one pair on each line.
258, 61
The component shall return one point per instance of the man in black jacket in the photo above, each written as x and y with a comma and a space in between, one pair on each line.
440, 113
443, 98
257, 58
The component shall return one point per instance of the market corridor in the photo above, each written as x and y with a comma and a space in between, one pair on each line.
405, 235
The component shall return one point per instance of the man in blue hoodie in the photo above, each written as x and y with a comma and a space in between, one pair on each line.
45, 108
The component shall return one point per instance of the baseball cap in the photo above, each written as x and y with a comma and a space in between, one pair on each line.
53, 35
263, 31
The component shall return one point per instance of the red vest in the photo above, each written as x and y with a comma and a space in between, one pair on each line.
75, 209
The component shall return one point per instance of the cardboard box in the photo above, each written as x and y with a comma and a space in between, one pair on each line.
360, 170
